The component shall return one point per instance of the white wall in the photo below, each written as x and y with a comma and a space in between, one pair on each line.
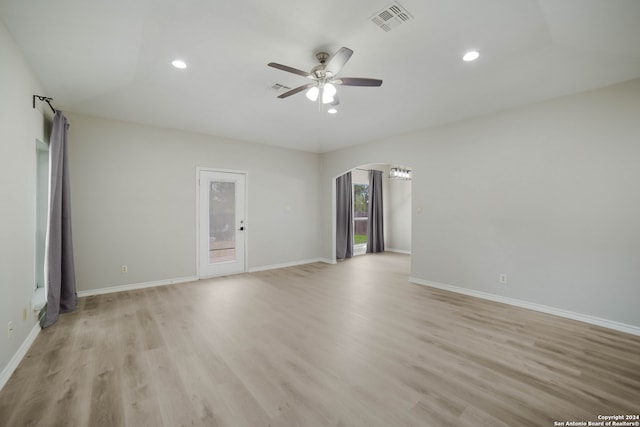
20, 125
547, 194
399, 215
133, 200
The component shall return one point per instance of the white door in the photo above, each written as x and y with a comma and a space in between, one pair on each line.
221, 239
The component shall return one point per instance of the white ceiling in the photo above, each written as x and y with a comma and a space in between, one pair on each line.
112, 59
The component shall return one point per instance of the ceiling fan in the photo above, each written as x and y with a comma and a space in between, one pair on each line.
324, 76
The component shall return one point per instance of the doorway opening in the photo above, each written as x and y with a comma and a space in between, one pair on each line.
397, 195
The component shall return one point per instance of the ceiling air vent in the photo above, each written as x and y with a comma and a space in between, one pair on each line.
278, 86
391, 16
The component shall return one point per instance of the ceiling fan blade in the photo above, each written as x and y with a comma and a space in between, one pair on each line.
290, 69
296, 90
357, 81
337, 61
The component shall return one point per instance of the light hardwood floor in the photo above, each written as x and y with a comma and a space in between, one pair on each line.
352, 344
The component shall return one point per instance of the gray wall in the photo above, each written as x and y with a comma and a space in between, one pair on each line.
547, 194
134, 200
20, 126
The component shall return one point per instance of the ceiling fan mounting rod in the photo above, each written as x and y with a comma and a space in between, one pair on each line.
322, 57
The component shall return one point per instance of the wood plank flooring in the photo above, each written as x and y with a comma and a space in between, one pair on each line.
352, 344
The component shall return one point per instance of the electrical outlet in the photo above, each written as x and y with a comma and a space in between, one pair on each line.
124, 269
503, 278
10, 329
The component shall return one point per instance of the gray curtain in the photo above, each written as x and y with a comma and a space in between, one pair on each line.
344, 217
375, 234
60, 276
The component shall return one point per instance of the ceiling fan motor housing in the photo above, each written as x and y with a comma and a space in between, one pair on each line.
318, 71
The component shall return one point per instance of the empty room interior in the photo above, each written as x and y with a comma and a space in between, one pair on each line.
365, 213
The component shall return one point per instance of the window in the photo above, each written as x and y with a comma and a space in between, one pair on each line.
42, 211
360, 216
42, 207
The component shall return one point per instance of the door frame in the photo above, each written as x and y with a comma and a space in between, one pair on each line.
246, 210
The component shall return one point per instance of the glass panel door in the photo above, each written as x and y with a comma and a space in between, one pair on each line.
221, 223
222, 219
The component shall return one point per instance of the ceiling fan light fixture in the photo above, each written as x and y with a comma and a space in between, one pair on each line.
312, 93
332, 110
328, 93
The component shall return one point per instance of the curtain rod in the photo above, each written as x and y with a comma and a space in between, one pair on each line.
367, 170
45, 99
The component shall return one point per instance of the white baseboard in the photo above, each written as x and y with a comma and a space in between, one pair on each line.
398, 251
135, 286
610, 324
17, 358
289, 264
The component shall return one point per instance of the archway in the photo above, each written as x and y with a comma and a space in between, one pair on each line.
397, 196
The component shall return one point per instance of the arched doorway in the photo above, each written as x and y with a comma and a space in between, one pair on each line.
397, 194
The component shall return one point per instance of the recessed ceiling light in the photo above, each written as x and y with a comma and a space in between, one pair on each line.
178, 63
472, 55
332, 111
